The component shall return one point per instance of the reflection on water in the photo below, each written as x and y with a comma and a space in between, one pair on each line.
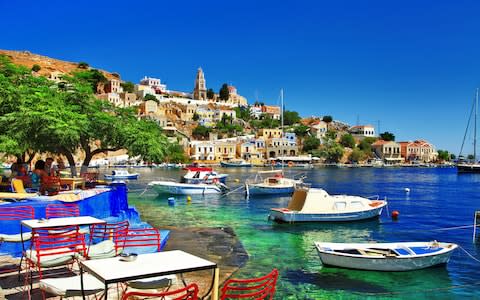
438, 199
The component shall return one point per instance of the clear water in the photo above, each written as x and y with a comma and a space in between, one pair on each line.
439, 199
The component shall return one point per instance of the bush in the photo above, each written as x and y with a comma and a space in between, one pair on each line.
36, 68
83, 65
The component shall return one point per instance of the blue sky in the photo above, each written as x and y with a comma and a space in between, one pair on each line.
410, 66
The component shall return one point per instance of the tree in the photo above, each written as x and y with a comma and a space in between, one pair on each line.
128, 86
443, 155
176, 154
357, 155
347, 140
327, 119
201, 132
36, 68
301, 130
195, 117
243, 113
387, 136
224, 93
94, 77
150, 97
210, 94
332, 152
83, 65
310, 143
330, 135
290, 117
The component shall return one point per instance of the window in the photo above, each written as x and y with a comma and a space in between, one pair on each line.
340, 205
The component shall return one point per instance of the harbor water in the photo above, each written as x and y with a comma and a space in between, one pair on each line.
438, 203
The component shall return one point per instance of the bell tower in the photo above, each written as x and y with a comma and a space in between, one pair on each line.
200, 90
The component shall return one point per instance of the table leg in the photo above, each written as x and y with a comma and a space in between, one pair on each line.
215, 284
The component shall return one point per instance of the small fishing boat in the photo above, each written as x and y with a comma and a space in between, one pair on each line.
203, 175
178, 188
121, 174
235, 163
274, 183
401, 256
316, 205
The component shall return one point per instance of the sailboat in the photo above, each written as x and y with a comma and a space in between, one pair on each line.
472, 166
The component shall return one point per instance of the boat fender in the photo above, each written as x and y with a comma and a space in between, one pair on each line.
375, 203
285, 209
290, 164
395, 214
215, 180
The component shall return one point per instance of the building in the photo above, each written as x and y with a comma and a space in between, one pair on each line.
155, 84
388, 151
113, 98
280, 147
225, 150
362, 131
235, 98
188, 111
219, 113
56, 76
267, 133
113, 86
256, 111
418, 151
129, 99
202, 150
319, 129
272, 111
291, 137
200, 89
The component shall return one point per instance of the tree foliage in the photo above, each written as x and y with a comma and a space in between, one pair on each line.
224, 93
266, 121
36, 68
332, 152
347, 140
201, 132
93, 77
387, 136
210, 94
150, 97
310, 143
443, 155
83, 65
128, 86
243, 113
357, 155
291, 117
327, 119
301, 130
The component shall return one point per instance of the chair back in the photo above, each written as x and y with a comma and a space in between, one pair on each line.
51, 184
13, 213
108, 231
18, 185
253, 288
190, 292
62, 210
142, 239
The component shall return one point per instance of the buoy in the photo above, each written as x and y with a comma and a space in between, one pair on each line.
189, 198
407, 190
171, 201
395, 214
237, 180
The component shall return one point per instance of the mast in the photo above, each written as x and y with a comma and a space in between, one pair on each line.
475, 129
281, 116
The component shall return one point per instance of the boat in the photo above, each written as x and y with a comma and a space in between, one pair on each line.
121, 174
178, 188
464, 166
316, 205
271, 183
236, 163
400, 256
203, 175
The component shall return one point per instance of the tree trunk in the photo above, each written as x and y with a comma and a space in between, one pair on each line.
71, 162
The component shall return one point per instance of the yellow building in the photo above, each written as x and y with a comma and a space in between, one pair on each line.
268, 134
225, 151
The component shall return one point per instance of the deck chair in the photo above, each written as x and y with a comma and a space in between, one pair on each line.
103, 239
253, 288
190, 292
18, 186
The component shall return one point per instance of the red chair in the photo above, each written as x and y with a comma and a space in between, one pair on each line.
103, 238
62, 210
139, 238
54, 250
190, 292
254, 288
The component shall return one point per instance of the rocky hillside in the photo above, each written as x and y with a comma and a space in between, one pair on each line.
47, 64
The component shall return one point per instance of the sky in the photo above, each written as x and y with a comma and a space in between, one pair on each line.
408, 67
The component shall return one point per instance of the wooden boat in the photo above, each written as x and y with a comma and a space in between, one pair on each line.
401, 256
316, 205
203, 175
178, 188
235, 163
275, 183
121, 174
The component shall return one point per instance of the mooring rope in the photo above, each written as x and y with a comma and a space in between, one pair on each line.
470, 255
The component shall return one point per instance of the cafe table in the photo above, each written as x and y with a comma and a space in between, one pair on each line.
116, 269
35, 224
73, 182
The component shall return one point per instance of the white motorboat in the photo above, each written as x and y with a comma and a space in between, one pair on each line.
121, 174
203, 175
401, 256
271, 183
178, 188
316, 205
235, 163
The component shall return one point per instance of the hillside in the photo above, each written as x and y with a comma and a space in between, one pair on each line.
47, 64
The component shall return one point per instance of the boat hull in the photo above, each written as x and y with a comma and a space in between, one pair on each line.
280, 215
385, 263
184, 188
265, 190
119, 177
234, 165
468, 168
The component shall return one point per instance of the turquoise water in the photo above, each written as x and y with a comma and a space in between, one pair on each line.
439, 200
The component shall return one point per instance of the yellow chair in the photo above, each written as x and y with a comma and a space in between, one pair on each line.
17, 186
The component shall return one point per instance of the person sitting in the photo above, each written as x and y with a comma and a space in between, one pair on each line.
37, 175
18, 168
49, 166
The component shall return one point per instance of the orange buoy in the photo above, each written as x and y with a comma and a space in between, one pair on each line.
395, 214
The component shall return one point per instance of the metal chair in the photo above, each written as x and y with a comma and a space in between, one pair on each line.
252, 288
104, 237
62, 210
190, 292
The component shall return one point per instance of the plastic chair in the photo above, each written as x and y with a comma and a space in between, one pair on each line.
50, 185
18, 185
253, 288
62, 210
190, 292
103, 238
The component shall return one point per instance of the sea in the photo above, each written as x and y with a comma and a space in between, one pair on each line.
440, 205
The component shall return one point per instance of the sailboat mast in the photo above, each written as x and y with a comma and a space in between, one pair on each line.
475, 128
281, 116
